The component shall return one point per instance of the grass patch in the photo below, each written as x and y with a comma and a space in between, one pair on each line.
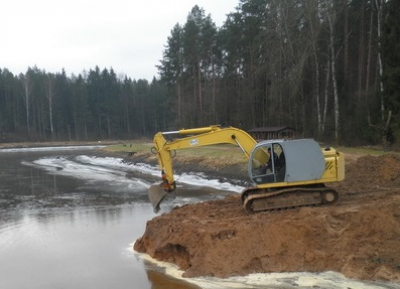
214, 151
130, 146
362, 150
216, 156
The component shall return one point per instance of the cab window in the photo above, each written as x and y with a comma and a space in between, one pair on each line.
268, 164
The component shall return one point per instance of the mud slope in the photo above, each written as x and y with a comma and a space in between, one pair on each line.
359, 236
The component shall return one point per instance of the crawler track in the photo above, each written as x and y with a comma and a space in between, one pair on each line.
257, 200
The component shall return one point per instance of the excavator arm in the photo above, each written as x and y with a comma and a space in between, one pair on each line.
191, 138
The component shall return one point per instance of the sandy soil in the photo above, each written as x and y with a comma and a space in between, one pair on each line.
359, 236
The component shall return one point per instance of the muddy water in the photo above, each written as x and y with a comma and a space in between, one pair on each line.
67, 222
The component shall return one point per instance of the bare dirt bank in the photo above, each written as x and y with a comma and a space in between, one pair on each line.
358, 237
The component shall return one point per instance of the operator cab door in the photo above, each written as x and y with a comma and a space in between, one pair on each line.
267, 163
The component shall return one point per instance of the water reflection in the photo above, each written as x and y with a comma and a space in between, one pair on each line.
81, 248
59, 231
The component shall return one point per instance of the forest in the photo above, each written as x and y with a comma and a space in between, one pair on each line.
330, 69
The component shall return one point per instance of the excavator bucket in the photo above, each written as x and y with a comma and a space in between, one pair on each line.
156, 195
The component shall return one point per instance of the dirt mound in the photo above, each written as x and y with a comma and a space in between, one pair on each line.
359, 236
371, 173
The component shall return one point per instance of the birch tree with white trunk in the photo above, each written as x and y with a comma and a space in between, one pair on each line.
49, 86
27, 91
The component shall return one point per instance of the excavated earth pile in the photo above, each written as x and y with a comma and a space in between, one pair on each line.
359, 236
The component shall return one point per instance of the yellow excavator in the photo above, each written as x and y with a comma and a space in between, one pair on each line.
285, 173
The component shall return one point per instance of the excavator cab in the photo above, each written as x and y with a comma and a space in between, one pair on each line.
276, 161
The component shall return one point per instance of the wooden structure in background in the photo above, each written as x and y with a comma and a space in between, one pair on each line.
273, 132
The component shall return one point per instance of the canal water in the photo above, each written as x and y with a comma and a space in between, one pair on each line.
69, 218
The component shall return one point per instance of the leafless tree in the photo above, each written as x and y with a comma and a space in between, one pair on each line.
379, 4
49, 86
27, 91
330, 14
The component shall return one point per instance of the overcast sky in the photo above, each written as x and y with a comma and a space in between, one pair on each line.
77, 35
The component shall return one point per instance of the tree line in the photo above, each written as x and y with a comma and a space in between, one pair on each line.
40, 106
328, 68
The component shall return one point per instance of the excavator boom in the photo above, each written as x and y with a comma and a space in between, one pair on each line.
204, 136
